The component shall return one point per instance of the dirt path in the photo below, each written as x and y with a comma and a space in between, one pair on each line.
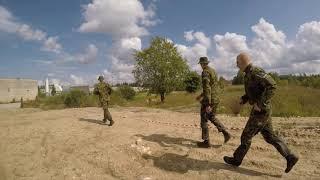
144, 144
10, 106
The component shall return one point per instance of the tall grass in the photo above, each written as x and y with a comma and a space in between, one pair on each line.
288, 101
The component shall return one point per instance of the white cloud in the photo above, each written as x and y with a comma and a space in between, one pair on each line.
52, 45
198, 49
77, 80
269, 49
117, 18
269, 44
10, 25
228, 46
27, 33
7, 23
89, 56
188, 35
126, 22
306, 47
230, 43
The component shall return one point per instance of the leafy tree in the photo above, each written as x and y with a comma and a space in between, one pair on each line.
275, 76
160, 67
192, 82
239, 79
53, 91
127, 92
222, 82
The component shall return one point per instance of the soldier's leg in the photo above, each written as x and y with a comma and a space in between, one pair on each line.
253, 126
106, 113
204, 124
270, 137
212, 117
220, 126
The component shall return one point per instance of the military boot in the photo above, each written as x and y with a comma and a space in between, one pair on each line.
231, 160
226, 135
204, 144
111, 122
291, 161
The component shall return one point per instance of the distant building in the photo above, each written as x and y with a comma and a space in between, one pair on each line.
15, 89
85, 89
58, 88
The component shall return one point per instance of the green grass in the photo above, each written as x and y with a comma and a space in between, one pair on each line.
288, 101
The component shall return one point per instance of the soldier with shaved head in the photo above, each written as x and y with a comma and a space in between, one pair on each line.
259, 89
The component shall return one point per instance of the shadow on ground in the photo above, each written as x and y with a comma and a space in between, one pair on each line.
166, 141
92, 121
182, 163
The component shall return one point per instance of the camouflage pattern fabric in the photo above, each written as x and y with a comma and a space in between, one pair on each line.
259, 89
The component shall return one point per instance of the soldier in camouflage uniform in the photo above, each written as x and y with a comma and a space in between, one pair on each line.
103, 89
209, 102
259, 89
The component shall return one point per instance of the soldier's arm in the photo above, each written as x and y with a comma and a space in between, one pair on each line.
269, 86
214, 93
206, 94
109, 89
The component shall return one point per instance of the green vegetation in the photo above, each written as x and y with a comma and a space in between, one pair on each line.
302, 80
288, 101
126, 92
192, 82
238, 79
160, 67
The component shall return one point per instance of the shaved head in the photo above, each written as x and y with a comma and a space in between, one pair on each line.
243, 60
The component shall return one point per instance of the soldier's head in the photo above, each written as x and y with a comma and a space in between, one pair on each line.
243, 60
100, 78
203, 61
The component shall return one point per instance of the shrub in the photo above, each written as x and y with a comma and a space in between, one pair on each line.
192, 82
126, 92
75, 98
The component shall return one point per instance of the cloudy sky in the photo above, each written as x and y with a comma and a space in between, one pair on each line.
74, 41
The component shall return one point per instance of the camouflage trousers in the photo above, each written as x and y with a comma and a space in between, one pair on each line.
106, 113
205, 117
259, 122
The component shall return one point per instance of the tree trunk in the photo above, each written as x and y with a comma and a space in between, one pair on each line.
162, 97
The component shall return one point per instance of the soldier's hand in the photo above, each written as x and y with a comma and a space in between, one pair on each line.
256, 107
208, 109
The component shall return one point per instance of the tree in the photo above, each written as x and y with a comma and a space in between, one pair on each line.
239, 79
275, 76
222, 82
160, 67
127, 92
192, 82
53, 91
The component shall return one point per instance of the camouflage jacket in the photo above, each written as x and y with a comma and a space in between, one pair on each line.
210, 87
103, 90
259, 87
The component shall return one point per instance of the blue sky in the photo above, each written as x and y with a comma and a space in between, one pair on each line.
74, 41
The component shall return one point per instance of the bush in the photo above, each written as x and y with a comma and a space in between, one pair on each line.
126, 92
239, 79
192, 82
75, 98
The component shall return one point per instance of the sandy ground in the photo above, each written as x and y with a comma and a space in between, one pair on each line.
144, 144
10, 106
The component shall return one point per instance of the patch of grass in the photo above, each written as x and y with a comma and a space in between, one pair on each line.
288, 101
